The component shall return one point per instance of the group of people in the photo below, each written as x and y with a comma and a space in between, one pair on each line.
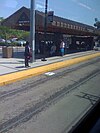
28, 53
62, 49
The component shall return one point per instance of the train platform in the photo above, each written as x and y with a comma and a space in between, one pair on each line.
13, 69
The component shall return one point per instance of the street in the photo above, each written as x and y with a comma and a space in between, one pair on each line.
50, 103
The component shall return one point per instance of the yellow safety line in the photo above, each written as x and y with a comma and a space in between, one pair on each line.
16, 76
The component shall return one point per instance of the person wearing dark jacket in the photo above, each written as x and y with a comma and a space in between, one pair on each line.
27, 54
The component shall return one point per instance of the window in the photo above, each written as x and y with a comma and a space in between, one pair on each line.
68, 26
58, 23
54, 23
61, 24
65, 25
71, 26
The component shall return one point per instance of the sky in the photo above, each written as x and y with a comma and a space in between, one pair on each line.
83, 11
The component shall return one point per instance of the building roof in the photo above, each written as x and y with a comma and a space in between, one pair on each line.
24, 12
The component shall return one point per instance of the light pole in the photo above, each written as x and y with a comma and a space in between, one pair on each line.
32, 29
45, 30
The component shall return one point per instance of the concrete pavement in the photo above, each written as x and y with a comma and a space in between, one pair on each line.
12, 69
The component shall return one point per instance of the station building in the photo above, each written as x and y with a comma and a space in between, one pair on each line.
73, 33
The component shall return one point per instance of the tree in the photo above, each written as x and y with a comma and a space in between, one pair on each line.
7, 34
1, 19
97, 23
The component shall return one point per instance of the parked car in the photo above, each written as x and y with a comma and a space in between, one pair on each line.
21, 42
2, 40
14, 39
8, 41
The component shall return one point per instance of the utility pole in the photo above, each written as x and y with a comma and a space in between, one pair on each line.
32, 29
45, 30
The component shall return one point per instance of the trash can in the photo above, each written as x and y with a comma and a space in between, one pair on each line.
7, 52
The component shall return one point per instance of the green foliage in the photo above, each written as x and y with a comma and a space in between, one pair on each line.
7, 33
97, 23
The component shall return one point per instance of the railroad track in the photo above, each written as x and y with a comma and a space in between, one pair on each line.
40, 106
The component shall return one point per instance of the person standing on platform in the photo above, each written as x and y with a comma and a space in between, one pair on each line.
27, 54
53, 50
62, 48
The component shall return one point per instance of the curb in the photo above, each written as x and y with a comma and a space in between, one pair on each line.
13, 77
